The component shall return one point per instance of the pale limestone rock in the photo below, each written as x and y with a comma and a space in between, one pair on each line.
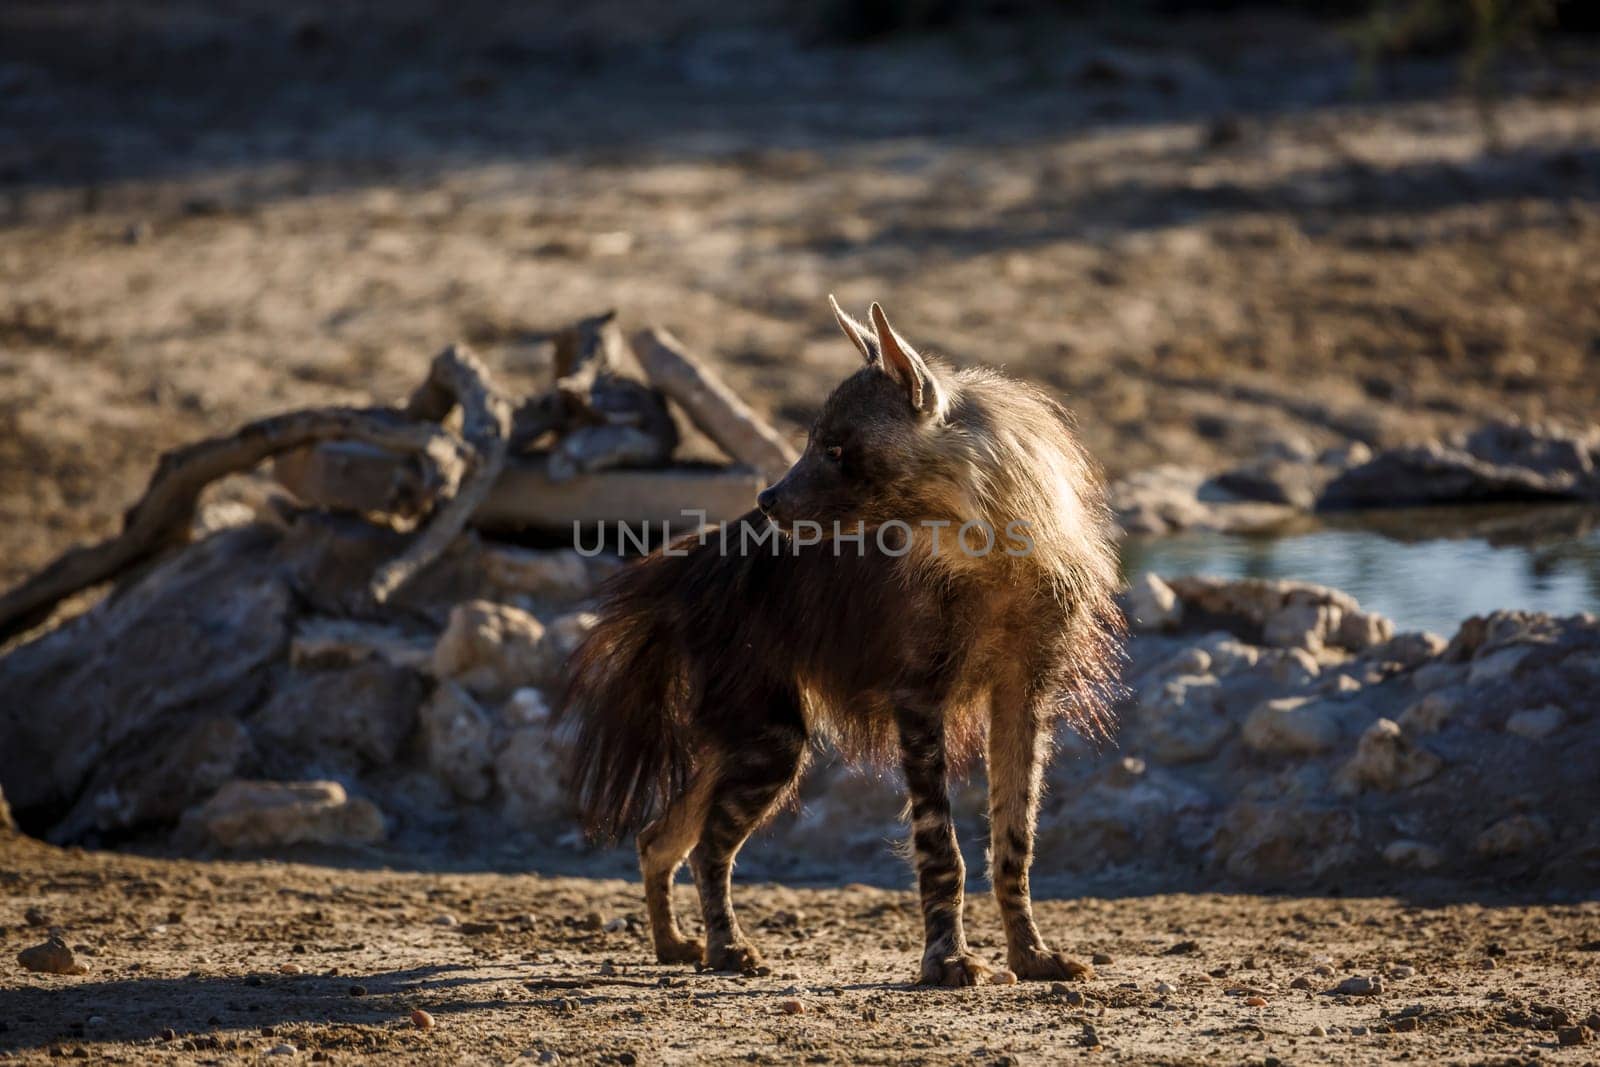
1536, 724
1152, 605
1434, 711
1386, 760
1292, 726
529, 771
457, 735
253, 815
494, 649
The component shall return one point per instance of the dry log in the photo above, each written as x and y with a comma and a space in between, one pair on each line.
162, 517
456, 378
599, 406
350, 475
713, 407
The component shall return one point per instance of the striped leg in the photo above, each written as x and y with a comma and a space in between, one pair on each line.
946, 959
1018, 750
751, 780
663, 846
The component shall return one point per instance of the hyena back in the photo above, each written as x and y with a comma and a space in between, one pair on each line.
715, 665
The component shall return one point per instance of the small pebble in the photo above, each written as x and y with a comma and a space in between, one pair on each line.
1164, 988
1402, 970
1255, 1002
36, 917
1487, 963
358, 990
282, 1050
1319, 1031
1300, 983
446, 919
291, 968
1323, 970
421, 1020
51, 957
1003, 978
1359, 987
1571, 1036
792, 1006
615, 926
1103, 959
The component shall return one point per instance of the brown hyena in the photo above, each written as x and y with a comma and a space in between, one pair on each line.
862, 605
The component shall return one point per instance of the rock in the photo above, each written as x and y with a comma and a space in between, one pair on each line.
494, 649
1359, 987
1412, 855
92, 705
339, 720
1572, 1036
527, 707
197, 759
262, 815
8, 824
1292, 726
1170, 497
553, 574
324, 643
421, 1020
1409, 650
1506, 460
1183, 723
1536, 724
1497, 665
1514, 835
456, 736
1278, 481
1361, 630
1284, 614
794, 1006
1152, 605
530, 773
1101, 959
1301, 982
1285, 843
1430, 714
1295, 668
1302, 624
568, 631
1438, 675
51, 957
1386, 760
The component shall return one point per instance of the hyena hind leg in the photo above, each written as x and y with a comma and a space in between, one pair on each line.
1019, 747
663, 846
751, 781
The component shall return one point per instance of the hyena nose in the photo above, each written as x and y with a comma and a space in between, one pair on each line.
766, 500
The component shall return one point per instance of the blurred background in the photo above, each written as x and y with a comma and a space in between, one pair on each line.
1219, 228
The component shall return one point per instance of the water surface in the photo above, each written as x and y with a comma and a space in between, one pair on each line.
1427, 569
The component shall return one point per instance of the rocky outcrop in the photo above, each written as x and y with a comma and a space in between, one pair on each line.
1269, 733
1500, 461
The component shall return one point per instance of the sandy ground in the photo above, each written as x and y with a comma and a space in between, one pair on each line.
187, 962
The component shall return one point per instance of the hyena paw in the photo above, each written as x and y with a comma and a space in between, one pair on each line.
1044, 965
739, 956
958, 969
681, 950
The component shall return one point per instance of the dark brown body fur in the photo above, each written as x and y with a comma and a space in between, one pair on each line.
716, 664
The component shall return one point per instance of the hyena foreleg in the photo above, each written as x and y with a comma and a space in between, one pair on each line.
941, 875
1019, 746
752, 777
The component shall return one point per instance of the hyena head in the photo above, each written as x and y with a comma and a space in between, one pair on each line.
880, 450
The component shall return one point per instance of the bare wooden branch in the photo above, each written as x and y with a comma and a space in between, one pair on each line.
716, 409
346, 475
162, 517
456, 378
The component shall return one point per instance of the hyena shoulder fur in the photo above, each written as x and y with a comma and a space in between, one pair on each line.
933, 578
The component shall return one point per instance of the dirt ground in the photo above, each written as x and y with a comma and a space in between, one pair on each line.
187, 962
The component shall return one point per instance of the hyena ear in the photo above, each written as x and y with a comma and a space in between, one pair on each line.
901, 363
858, 334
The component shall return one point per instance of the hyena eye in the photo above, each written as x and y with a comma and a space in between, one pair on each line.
834, 452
